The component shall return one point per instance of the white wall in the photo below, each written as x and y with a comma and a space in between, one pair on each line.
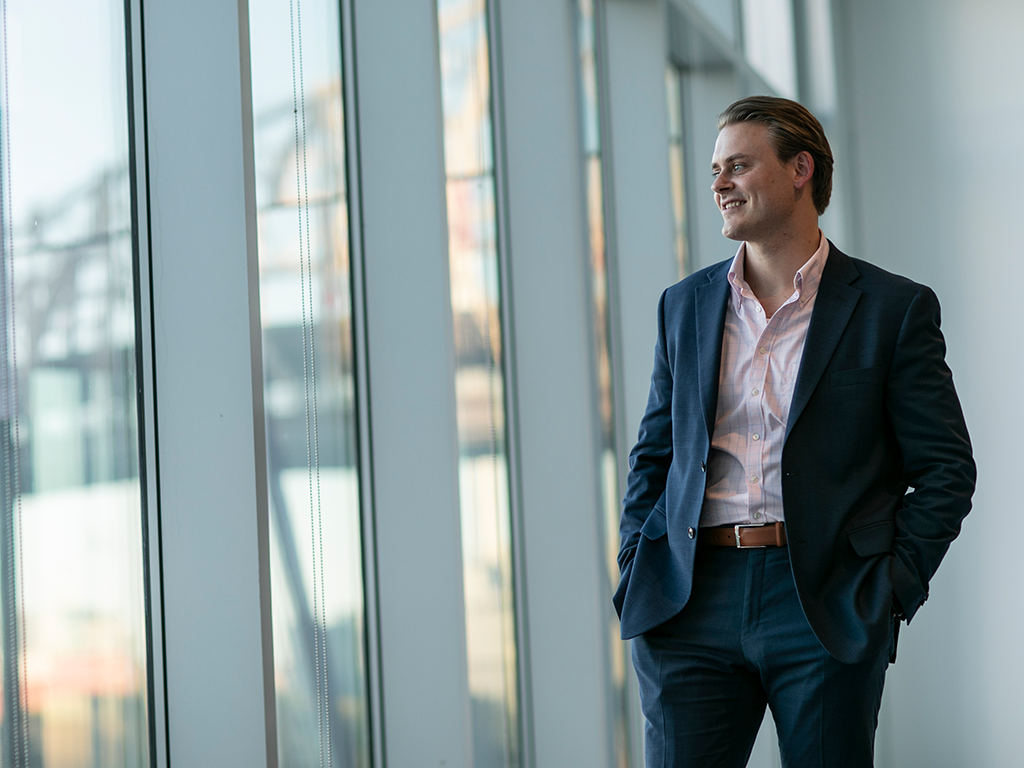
935, 93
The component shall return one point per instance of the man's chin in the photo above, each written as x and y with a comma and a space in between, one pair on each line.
732, 233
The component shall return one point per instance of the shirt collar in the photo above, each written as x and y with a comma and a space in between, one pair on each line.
808, 277
805, 281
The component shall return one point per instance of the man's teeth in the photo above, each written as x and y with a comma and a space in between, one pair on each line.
734, 204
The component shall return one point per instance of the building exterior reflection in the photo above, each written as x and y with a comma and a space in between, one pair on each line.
588, 42
74, 630
309, 384
475, 284
677, 168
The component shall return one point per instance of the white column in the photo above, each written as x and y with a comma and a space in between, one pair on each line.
205, 332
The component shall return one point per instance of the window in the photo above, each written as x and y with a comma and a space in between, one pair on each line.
71, 539
587, 41
480, 386
677, 168
309, 384
768, 43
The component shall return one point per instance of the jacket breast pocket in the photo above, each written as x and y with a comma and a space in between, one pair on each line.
656, 524
874, 539
856, 376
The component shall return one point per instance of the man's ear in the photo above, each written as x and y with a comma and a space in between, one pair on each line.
803, 165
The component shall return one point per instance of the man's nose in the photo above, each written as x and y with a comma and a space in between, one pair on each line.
720, 182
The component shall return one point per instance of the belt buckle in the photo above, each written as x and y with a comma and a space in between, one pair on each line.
736, 529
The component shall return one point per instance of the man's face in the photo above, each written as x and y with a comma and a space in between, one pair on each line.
753, 189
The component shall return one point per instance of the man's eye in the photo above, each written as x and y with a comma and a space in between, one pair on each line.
738, 167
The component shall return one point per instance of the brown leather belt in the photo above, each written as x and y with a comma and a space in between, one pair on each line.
744, 536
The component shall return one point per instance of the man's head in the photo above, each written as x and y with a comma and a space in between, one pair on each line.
792, 129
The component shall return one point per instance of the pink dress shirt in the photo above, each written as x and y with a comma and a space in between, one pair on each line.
760, 361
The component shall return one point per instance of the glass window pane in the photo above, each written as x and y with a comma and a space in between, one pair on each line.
769, 42
71, 547
821, 58
309, 384
479, 383
587, 38
677, 168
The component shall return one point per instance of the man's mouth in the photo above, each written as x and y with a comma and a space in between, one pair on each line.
732, 204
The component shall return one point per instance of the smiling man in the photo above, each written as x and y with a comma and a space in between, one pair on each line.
801, 468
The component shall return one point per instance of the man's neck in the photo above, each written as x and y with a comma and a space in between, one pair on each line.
770, 267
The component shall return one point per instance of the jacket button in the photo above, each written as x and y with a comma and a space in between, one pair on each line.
703, 467
691, 532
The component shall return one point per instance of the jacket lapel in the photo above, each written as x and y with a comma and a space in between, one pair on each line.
833, 308
711, 301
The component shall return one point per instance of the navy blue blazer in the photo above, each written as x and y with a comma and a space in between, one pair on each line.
877, 471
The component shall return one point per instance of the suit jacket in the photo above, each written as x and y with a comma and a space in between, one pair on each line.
877, 471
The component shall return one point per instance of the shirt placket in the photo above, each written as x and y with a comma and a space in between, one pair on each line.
756, 415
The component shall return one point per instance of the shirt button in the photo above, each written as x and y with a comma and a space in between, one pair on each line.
757, 515
754, 392
691, 533
753, 478
762, 350
703, 467
758, 309
757, 437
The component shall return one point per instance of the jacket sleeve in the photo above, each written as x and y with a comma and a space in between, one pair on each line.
937, 463
651, 457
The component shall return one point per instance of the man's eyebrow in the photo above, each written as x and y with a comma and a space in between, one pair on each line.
731, 159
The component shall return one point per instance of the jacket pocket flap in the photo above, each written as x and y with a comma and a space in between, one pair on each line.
656, 525
856, 376
874, 539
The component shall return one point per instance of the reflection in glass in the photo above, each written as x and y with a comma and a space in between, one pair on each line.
590, 115
309, 387
677, 168
74, 671
479, 382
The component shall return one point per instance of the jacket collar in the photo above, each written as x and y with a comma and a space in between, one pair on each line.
833, 308
712, 297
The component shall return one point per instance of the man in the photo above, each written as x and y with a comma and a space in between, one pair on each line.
801, 468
